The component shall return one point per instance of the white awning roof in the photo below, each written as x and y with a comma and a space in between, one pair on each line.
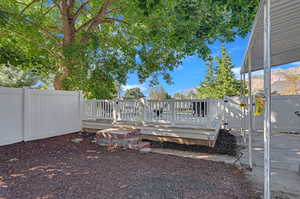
285, 35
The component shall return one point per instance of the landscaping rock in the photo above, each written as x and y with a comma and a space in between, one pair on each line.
77, 140
145, 150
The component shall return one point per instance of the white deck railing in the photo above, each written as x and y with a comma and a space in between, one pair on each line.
175, 112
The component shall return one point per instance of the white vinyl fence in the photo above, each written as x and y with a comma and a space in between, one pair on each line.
29, 114
285, 113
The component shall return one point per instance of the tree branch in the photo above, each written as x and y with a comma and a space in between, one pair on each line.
97, 19
111, 10
101, 13
44, 30
53, 27
30, 40
111, 20
28, 5
57, 5
47, 11
21, 3
80, 9
85, 24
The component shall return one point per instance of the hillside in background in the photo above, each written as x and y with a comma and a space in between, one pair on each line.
278, 80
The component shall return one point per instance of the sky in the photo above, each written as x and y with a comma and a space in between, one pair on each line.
192, 71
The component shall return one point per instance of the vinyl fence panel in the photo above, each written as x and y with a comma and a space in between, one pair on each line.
52, 113
11, 115
29, 114
285, 114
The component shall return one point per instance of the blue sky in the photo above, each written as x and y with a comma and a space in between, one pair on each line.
192, 70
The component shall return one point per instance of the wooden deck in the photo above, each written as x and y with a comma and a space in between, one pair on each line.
183, 134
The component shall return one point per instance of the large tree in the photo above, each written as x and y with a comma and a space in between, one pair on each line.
158, 93
220, 80
85, 39
226, 83
134, 93
208, 86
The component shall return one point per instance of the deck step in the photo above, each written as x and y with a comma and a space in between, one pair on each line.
119, 142
121, 137
118, 133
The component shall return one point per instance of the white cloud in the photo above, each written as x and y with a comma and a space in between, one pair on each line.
141, 86
236, 72
296, 63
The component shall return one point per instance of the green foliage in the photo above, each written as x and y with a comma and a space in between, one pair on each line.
179, 96
158, 93
219, 80
13, 77
134, 93
149, 37
20, 66
189, 95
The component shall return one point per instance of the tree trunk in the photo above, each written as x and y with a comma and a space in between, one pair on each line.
69, 31
60, 77
69, 38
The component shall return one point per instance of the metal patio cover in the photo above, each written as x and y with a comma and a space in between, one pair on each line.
285, 36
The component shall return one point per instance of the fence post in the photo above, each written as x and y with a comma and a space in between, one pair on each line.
26, 113
81, 108
144, 112
94, 109
172, 106
115, 111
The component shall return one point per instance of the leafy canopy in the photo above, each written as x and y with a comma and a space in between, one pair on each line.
158, 93
98, 42
134, 93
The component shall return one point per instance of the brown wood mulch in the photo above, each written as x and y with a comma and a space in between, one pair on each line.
59, 168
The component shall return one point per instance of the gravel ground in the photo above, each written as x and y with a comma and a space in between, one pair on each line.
59, 168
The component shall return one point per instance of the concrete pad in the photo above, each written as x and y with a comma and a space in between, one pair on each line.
285, 161
196, 155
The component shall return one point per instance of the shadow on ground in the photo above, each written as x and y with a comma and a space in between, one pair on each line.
59, 168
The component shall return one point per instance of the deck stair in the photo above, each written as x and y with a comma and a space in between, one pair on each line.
121, 137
